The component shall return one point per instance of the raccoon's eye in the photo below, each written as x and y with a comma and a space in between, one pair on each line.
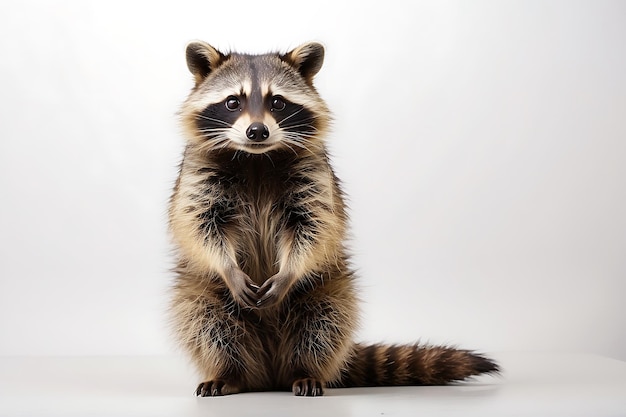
278, 103
232, 103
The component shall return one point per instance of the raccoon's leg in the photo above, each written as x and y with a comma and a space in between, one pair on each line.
221, 337
310, 234
205, 226
317, 329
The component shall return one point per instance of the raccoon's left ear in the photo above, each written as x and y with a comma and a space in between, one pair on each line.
307, 59
202, 58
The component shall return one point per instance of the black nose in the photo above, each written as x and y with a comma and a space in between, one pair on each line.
257, 132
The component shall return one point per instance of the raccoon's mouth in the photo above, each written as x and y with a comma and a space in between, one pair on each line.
258, 147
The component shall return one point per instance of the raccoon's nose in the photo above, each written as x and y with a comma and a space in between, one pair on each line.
257, 132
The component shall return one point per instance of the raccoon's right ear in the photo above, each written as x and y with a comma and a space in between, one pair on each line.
202, 58
307, 59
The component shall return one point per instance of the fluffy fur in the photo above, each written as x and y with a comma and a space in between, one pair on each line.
264, 297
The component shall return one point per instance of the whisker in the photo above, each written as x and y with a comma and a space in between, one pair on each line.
214, 129
270, 158
201, 116
299, 125
303, 136
287, 141
291, 115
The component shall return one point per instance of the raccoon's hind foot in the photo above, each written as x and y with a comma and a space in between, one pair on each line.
307, 387
215, 388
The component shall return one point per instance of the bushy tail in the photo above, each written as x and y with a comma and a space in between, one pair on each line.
394, 365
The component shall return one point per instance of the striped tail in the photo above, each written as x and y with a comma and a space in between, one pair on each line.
394, 365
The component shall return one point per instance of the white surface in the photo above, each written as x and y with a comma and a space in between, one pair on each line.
482, 146
533, 384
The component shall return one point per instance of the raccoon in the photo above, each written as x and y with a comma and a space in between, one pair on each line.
264, 297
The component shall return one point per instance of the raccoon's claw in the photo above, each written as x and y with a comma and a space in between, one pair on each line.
246, 298
242, 288
307, 387
274, 290
215, 388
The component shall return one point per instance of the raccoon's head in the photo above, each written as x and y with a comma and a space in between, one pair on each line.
255, 103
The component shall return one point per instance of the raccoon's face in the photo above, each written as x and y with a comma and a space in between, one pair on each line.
255, 103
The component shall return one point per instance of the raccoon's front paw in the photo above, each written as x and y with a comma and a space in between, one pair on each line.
274, 290
242, 288
215, 388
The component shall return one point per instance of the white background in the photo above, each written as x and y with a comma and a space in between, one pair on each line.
482, 144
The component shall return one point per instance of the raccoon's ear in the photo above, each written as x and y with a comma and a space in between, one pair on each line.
307, 59
202, 58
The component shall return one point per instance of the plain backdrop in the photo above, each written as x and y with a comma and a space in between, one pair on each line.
482, 145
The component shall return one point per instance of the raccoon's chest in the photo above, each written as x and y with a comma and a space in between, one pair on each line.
261, 204
259, 227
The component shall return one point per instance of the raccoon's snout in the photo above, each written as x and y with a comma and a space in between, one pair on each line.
257, 132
